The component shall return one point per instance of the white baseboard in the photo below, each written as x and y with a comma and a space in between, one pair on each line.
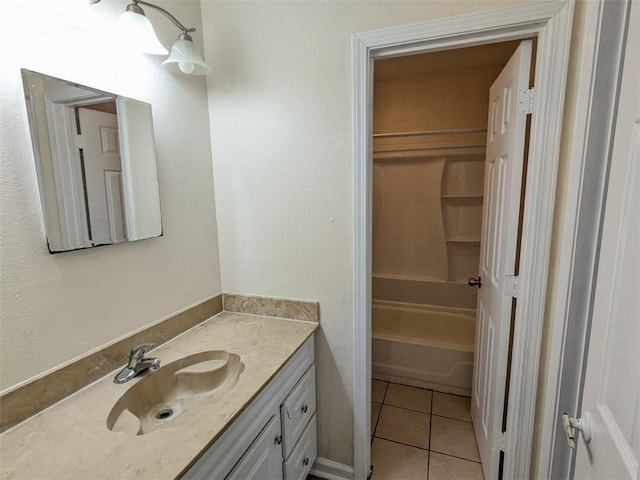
330, 470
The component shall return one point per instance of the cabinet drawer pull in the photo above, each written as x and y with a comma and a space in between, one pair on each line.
278, 439
305, 462
305, 408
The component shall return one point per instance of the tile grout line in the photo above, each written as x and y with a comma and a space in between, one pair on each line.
410, 409
429, 442
373, 431
401, 443
426, 389
427, 450
455, 456
373, 436
426, 413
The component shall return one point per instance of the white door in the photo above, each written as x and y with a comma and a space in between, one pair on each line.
502, 186
103, 175
611, 395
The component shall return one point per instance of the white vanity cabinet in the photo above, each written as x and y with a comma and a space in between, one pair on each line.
275, 437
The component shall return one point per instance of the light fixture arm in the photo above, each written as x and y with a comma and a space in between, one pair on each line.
175, 21
184, 57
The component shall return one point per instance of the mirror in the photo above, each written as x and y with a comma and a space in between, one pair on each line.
95, 162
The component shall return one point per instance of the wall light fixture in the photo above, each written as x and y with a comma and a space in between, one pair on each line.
136, 29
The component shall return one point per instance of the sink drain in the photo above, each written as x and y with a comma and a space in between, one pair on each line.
164, 414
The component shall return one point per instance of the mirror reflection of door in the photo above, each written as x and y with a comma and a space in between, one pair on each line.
97, 175
102, 175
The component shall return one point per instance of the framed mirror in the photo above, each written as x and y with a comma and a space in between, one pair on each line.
96, 164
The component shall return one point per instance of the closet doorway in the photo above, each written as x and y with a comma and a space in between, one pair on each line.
439, 119
549, 23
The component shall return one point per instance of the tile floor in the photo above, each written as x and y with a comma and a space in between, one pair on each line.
421, 434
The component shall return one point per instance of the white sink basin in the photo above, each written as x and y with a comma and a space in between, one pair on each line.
174, 392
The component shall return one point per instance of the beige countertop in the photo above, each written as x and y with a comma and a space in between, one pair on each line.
71, 440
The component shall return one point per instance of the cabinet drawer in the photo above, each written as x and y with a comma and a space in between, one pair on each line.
297, 409
301, 459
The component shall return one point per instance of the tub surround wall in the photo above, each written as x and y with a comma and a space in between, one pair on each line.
428, 189
54, 308
423, 346
457, 295
30, 398
427, 213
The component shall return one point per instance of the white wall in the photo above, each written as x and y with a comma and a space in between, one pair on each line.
280, 112
56, 307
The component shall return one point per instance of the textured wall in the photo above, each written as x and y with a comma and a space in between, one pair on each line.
280, 112
56, 307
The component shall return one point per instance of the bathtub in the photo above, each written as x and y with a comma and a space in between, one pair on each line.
424, 346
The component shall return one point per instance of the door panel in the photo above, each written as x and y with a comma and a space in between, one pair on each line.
102, 164
611, 396
263, 460
503, 180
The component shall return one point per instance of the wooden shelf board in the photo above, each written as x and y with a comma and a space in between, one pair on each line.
454, 196
470, 241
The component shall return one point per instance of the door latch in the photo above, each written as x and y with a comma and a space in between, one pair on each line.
582, 424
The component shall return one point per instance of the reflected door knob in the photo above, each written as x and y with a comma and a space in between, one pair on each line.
475, 282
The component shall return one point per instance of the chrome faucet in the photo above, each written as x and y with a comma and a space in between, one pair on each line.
137, 363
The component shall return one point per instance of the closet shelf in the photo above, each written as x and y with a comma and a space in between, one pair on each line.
464, 240
461, 196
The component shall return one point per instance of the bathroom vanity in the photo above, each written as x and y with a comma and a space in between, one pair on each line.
275, 437
261, 427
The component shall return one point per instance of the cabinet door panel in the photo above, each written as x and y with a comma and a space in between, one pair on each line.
263, 460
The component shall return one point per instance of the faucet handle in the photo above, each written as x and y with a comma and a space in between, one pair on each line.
139, 350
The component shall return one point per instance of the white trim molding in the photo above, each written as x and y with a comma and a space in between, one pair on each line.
550, 22
330, 470
596, 94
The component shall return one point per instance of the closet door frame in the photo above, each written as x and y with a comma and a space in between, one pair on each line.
550, 22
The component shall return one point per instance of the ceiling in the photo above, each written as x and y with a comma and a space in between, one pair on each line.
495, 54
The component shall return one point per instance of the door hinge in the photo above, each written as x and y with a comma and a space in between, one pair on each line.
79, 141
500, 440
511, 284
525, 101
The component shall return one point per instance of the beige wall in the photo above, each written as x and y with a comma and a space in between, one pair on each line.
56, 307
444, 100
437, 90
280, 112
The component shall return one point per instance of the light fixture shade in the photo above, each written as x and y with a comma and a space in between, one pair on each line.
184, 58
137, 32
